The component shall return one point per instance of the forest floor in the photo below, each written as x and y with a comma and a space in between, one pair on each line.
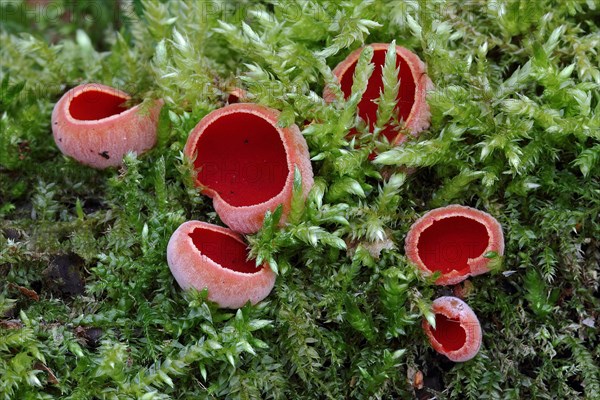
89, 308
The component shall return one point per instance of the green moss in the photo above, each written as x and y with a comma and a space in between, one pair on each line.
515, 131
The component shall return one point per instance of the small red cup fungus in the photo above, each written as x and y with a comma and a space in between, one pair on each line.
236, 95
457, 333
245, 162
454, 240
414, 83
91, 124
202, 255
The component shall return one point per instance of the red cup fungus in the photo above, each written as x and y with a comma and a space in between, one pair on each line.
201, 255
245, 162
457, 333
91, 124
454, 240
236, 95
414, 83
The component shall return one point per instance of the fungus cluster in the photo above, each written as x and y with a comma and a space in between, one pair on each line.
246, 163
454, 242
242, 159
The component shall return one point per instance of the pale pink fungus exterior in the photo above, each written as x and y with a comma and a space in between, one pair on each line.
201, 255
454, 240
414, 84
457, 333
245, 162
91, 124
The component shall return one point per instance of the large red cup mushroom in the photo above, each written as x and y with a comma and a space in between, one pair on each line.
91, 124
202, 255
246, 162
414, 83
457, 333
455, 241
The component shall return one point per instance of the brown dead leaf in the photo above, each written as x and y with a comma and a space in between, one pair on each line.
11, 324
30, 293
418, 380
51, 377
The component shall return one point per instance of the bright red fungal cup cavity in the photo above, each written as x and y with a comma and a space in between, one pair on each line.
454, 240
245, 162
91, 124
202, 255
457, 333
412, 107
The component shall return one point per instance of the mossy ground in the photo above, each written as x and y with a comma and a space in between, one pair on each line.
88, 308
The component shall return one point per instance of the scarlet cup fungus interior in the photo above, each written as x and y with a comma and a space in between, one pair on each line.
448, 243
367, 108
449, 333
241, 156
93, 105
233, 98
223, 249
